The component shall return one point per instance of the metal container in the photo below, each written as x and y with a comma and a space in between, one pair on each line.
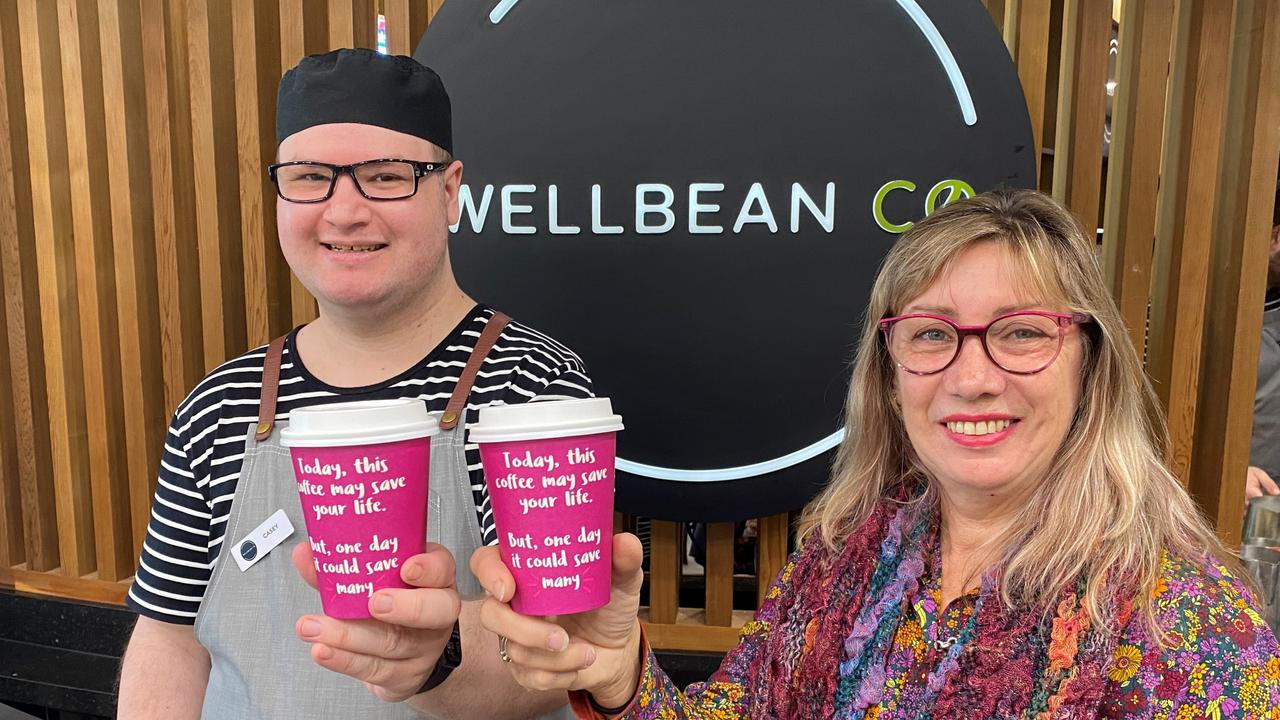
1262, 521
1263, 562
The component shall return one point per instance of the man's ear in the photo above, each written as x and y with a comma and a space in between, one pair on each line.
452, 187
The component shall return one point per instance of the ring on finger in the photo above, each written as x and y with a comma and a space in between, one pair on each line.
502, 649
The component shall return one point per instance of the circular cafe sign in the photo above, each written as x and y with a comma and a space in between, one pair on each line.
696, 196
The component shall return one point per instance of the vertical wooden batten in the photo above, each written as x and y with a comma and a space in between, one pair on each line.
666, 547
12, 550
94, 283
342, 27
1048, 130
256, 25
1142, 81
399, 38
433, 7
172, 192
1246, 168
1077, 161
216, 180
1027, 32
996, 8
771, 551
1185, 219
52, 213
133, 230
420, 14
719, 573
298, 19
22, 317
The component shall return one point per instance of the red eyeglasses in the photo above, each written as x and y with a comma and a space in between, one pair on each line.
1023, 342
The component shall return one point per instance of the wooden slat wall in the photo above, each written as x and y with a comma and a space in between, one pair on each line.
22, 322
54, 268
1193, 141
1246, 172
137, 228
93, 282
1189, 183
714, 625
139, 243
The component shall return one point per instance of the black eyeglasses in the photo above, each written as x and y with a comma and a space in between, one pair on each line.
305, 181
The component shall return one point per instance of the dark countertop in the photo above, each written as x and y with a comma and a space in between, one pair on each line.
65, 655
61, 654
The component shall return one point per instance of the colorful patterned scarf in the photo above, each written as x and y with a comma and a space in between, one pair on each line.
825, 657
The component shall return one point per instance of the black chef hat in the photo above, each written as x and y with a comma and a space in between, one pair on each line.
361, 86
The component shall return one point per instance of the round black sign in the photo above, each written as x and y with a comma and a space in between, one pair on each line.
248, 550
696, 197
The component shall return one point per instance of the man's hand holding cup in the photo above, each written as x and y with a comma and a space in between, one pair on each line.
394, 651
389, 598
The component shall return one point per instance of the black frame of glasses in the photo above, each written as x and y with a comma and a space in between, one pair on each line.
420, 168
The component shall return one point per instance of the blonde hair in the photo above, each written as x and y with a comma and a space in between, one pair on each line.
1108, 507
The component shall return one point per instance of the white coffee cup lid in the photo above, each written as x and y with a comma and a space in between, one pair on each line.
542, 419
358, 423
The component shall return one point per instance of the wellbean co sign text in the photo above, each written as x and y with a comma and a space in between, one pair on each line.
696, 197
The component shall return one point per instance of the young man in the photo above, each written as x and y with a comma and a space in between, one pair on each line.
1264, 447
367, 189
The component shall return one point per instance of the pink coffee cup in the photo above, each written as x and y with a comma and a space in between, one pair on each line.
362, 472
549, 468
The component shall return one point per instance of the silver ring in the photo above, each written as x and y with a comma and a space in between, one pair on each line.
502, 649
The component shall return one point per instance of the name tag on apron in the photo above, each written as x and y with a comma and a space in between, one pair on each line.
264, 538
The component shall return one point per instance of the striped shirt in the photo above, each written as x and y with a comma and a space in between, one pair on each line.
204, 449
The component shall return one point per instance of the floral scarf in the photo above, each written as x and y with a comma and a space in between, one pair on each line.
826, 656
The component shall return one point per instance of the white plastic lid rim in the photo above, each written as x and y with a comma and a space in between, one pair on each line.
362, 422
544, 419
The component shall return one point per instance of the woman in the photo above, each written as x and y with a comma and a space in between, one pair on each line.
1000, 538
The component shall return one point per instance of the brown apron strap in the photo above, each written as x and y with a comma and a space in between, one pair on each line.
270, 389
458, 401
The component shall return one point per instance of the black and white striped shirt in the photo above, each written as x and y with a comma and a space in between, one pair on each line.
204, 448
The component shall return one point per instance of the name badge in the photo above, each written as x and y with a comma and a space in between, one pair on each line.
264, 538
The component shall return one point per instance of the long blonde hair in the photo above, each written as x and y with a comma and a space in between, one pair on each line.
1108, 507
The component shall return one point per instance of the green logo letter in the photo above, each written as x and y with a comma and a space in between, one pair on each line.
954, 187
877, 205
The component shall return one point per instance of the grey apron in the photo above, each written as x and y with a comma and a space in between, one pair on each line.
260, 669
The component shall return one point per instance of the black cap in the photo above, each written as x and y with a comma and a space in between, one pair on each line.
361, 86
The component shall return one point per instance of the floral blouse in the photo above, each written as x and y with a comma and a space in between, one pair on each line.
1219, 658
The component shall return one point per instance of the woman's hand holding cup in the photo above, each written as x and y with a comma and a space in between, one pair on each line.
597, 651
